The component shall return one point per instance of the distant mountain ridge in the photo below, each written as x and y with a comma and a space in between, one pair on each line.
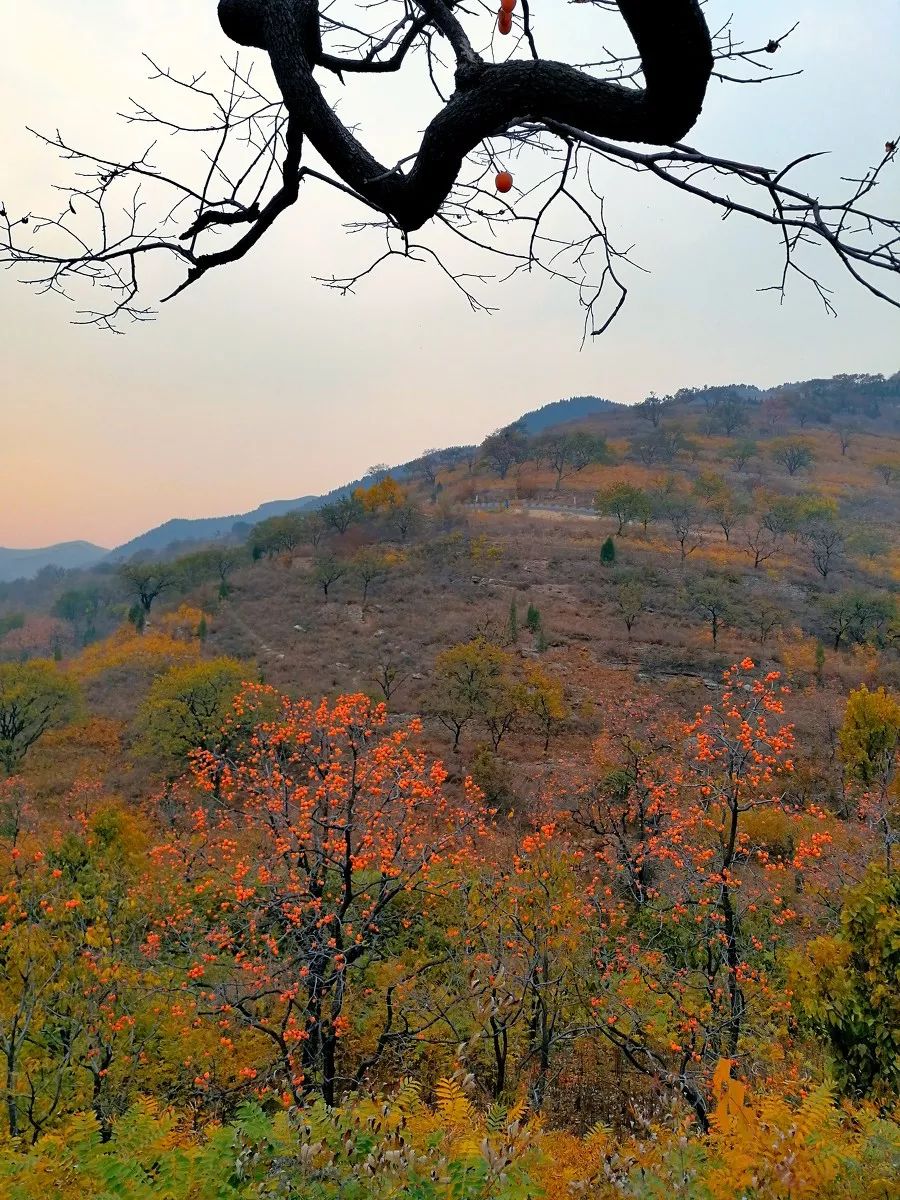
25, 564
205, 529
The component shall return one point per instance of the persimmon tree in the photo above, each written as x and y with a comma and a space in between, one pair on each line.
292, 873
520, 940
260, 146
684, 965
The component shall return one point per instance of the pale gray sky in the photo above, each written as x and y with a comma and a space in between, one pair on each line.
259, 384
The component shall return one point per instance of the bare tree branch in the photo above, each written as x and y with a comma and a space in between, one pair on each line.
498, 103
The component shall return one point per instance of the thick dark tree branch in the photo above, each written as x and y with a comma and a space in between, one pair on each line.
671, 36
252, 149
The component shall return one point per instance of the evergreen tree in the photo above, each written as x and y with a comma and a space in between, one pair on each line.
513, 623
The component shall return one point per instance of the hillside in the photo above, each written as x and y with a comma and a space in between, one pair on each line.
25, 564
576, 410
565, 768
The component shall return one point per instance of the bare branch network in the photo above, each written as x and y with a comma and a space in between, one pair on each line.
500, 105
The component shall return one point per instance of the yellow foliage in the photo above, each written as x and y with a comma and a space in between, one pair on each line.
381, 497
183, 621
797, 652
767, 1148
770, 829
452, 1104
156, 650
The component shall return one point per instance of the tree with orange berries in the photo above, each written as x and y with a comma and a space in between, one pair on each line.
291, 875
689, 904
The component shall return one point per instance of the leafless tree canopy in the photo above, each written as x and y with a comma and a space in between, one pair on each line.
498, 103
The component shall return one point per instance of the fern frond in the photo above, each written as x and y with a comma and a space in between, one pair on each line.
451, 1102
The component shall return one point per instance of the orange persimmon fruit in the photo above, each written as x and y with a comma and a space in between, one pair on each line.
504, 21
503, 181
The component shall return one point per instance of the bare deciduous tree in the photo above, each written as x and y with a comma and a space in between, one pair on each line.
389, 676
145, 582
261, 146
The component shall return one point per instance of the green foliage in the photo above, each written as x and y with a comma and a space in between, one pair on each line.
78, 605
342, 513
327, 570
34, 696
145, 582
186, 708
794, 454
216, 564
282, 535
504, 448
625, 502
365, 1150
608, 552
820, 663
857, 616
532, 619
630, 600
713, 598
513, 623
569, 453
475, 681
846, 988
741, 452
369, 566
492, 776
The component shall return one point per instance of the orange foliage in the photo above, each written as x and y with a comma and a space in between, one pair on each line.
309, 833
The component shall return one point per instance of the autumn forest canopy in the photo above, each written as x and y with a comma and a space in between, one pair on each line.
520, 823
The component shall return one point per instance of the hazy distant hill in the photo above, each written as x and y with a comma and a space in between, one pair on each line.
561, 411
205, 529
25, 564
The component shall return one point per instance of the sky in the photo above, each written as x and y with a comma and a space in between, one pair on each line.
260, 384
